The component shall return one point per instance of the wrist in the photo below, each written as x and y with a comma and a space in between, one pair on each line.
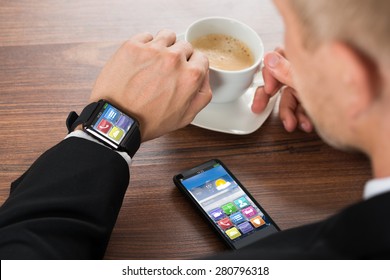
79, 127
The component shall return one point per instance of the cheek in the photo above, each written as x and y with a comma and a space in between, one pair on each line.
320, 97
313, 83
314, 91
305, 81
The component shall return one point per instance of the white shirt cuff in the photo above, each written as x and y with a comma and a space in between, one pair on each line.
376, 187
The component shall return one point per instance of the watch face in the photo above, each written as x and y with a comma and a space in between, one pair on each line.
111, 124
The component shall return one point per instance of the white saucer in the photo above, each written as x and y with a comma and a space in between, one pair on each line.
234, 117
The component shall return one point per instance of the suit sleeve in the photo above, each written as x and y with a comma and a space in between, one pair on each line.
65, 206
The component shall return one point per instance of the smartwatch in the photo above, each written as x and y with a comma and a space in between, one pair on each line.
109, 125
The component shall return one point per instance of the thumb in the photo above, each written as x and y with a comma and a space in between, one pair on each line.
279, 67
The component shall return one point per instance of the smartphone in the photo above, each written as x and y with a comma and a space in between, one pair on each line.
225, 203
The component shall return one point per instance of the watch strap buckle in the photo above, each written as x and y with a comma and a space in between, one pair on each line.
70, 120
74, 120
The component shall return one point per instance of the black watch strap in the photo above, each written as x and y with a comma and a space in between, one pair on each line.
74, 120
133, 142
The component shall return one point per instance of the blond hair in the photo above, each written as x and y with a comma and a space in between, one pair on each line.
363, 24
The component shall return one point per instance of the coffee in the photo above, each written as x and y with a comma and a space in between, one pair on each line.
224, 52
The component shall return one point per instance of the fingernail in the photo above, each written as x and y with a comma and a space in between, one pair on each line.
305, 127
273, 60
285, 124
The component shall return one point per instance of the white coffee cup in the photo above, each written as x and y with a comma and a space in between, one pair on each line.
226, 85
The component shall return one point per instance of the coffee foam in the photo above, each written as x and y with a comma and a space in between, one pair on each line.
225, 52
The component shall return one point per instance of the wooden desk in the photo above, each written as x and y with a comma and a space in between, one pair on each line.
50, 54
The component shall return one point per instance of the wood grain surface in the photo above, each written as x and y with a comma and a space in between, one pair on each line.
50, 55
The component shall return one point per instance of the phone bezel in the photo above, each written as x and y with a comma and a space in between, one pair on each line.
237, 244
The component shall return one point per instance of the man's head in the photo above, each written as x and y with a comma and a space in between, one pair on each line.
341, 67
364, 24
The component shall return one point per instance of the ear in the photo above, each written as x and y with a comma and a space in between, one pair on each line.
360, 77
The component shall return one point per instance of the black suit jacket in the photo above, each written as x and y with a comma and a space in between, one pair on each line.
65, 207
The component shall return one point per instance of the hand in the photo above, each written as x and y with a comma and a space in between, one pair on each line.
277, 74
161, 82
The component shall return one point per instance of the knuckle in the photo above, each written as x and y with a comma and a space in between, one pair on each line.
144, 34
203, 58
128, 44
209, 95
131, 46
166, 33
174, 57
196, 73
187, 46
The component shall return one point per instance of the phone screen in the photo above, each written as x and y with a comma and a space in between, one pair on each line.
227, 204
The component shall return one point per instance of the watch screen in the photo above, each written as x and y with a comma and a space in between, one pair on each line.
112, 123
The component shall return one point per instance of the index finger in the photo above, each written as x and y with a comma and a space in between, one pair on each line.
164, 37
142, 37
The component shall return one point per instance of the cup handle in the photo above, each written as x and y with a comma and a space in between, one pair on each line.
258, 80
